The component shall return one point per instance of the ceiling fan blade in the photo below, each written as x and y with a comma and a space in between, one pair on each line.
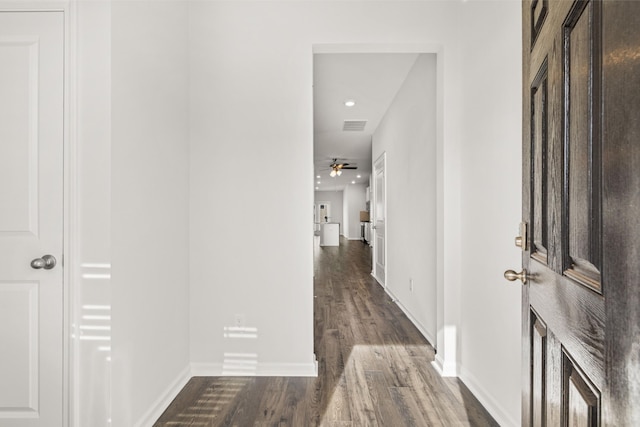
349, 167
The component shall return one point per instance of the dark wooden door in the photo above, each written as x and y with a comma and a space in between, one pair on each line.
581, 210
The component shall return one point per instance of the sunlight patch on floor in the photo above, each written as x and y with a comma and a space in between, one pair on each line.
369, 374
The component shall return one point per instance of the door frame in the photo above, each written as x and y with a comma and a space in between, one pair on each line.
448, 240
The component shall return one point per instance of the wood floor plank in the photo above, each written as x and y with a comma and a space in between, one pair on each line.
360, 401
374, 367
386, 410
245, 409
407, 407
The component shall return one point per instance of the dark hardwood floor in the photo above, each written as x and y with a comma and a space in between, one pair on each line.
374, 367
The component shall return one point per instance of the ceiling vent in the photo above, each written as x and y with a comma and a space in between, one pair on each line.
354, 125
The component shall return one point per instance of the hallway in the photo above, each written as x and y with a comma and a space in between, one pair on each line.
374, 367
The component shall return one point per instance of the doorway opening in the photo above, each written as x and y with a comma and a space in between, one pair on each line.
365, 104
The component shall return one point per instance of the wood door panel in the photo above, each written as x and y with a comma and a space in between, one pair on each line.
539, 10
573, 314
554, 379
539, 163
546, 55
538, 371
581, 74
553, 373
581, 399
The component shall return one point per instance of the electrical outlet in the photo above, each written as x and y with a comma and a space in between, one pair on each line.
411, 285
239, 320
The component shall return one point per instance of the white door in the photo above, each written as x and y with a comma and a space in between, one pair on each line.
379, 220
31, 218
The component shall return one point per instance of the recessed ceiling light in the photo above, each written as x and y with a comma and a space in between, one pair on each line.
318, 176
316, 188
318, 182
349, 103
358, 176
353, 182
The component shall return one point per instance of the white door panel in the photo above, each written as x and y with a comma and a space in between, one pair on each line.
31, 217
380, 213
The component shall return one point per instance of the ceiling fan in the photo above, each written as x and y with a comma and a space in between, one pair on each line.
337, 168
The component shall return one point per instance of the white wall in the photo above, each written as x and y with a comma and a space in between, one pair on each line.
250, 246
91, 272
354, 202
240, 89
491, 205
335, 198
150, 202
251, 99
407, 133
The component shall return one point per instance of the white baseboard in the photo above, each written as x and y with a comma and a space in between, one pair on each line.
445, 369
219, 370
165, 399
450, 369
378, 280
259, 370
490, 404
428, 336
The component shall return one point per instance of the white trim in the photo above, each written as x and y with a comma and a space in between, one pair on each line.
165, 399
260, 370
34, 6
71, 234
430, 338
376, 48
485, 398
445, 369
373, 274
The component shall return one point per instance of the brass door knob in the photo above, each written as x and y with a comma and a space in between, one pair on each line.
512, 276
519, 241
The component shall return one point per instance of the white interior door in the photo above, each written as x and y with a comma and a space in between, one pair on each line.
379, 220
31, 218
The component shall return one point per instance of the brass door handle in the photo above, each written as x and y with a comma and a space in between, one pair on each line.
519, 241
512, 276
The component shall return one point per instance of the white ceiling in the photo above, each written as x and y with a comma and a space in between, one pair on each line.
372, 80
